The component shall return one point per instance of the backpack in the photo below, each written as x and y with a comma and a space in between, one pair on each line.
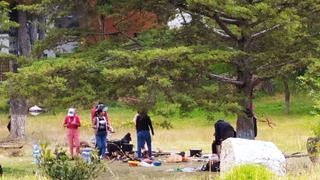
101, 124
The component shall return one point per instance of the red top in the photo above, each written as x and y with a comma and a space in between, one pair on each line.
93, 110
72, 122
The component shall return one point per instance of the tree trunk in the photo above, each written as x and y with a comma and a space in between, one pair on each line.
23, 35
18, 111
286, 95
101, 20
41, 27
34, 30
18, 106
245, 125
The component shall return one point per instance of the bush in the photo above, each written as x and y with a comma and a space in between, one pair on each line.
57, 165
248, 172
316, 129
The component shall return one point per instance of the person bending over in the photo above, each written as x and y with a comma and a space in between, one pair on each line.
223, 130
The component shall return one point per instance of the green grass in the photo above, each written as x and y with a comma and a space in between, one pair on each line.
289, 133
248, 172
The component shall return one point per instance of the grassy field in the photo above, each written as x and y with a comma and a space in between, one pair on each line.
289, 133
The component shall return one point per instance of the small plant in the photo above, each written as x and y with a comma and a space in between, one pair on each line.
57, 165
248, 172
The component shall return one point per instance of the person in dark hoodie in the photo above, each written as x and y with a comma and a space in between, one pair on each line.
143, 127
223, 130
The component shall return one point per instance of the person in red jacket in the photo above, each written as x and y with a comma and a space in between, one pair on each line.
72, 123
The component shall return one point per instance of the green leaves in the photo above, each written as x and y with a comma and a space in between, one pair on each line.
5, 22
54, 82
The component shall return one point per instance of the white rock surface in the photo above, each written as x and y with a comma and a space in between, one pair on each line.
236, 151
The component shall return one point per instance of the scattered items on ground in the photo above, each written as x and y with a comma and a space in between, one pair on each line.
195, 152
86, 154
174, 158
133, 163
156, 163
186, 169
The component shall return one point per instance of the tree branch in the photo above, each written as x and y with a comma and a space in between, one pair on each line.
225, 79
184, 19
259, 80
220, 33
224, 27
231, 21
221, 18
263, 32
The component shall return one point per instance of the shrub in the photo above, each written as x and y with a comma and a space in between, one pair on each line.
57, 165
248, 172
316, 129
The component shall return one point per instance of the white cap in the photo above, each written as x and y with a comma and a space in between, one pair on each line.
105, 109
71, 112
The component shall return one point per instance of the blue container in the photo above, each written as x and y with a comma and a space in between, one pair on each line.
86, 155
156, 163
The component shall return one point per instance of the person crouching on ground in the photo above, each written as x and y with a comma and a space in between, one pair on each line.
223, 130
143, 127
100, 127
72, 122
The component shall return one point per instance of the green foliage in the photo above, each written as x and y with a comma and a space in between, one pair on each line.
35, 8
5, 22
55, 82
57, 165
311, 82
248, 172
316, 129
176, 74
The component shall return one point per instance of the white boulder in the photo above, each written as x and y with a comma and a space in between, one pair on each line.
236, 151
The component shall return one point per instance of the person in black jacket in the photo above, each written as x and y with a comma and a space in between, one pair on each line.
143, 127
223, 130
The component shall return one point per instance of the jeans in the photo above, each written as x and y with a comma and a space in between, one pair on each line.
101, 142
73, 139
142, 137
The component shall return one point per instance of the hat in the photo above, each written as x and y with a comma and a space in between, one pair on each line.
71, 112
105, 109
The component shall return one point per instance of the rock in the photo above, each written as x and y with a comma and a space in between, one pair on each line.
236, 151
